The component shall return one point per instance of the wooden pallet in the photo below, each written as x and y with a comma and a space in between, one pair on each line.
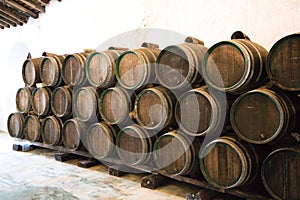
154, 179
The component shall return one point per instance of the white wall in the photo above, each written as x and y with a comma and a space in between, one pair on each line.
71, 25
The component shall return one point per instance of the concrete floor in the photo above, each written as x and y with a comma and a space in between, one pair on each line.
36, 175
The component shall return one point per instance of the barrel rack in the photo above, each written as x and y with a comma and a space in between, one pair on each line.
155, 179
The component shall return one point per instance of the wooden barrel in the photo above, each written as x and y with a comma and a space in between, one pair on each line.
281, 173
15, 125
32, 128
134, 145
50, 71
176, 154
41, 101
61, 102
153, 108
235, 66
198, 112
262, 116
179, 65
86, 103
51, 130
72, 132
227, 162
73, 72
23, 99
101, 140
31, 71
100, 68
283, 63
136, 68
115, 104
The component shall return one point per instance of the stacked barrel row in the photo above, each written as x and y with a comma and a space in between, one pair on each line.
167, 108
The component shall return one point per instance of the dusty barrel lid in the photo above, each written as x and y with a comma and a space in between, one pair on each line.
235, 66
73, 72
41, 101
179, 65
72, 134
174, 153
31, 72
23, 99
198, 112
237, 168
115, 104
15, 125
136, 68
50, 70
153, 108
280, 173
61, 101
100, 68
32, 128
262, 116
101, 140
134, 145
51, 130
85, 105
283, 63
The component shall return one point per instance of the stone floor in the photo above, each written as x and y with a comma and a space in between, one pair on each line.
36, 175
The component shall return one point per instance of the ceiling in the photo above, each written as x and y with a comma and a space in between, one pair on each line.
17, 12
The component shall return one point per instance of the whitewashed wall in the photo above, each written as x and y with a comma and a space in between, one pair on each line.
71, 25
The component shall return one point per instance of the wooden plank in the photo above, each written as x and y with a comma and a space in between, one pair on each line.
117, 168
88, 163
6, 16
63, 157
16, 15
154, 181
204, 184
22, 8
44, 2
4, 24
2, 19
33, 5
